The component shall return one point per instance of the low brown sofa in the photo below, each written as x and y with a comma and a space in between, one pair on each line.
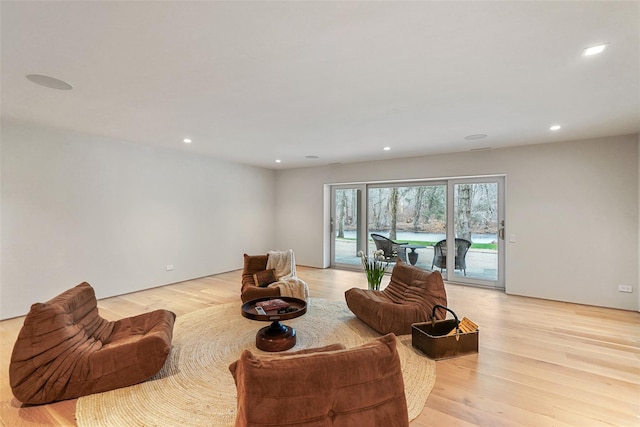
409, 298
329, 386
66, 350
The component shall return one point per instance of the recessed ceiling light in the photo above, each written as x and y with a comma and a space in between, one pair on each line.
387, 148
278, 161
186, 141
312, 157
50, 82
555, 127
475, 136
594, 50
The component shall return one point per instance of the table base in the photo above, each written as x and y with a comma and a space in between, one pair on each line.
276, 337
413, 257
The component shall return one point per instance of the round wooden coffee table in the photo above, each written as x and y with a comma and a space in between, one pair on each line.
275, 337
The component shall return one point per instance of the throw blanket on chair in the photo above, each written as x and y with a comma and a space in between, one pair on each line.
284, 264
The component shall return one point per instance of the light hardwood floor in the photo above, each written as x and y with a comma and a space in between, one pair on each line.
541, 363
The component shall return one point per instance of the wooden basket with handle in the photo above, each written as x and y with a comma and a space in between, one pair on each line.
442, 339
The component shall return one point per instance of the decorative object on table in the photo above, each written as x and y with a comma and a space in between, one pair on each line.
66, 350
392, 250
374, 267
412, 255
256, 274
409, 298
447, 338
273, 390
196, 380
272, 304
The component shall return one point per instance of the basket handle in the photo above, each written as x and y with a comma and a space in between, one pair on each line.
433, 314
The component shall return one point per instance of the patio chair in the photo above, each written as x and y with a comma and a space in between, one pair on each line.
440, 255
392, 250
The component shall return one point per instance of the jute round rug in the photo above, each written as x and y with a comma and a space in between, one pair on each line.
195, 387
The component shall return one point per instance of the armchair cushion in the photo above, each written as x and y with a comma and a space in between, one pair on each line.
265, 277
322, 387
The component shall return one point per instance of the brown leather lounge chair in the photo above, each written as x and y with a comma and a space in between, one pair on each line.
328, 386
66, 350
260, 282
409, 298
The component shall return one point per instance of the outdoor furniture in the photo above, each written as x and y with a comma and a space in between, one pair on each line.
271, 275
392, 250
328, 386
413, 255
409, 298
66, 350
440, 255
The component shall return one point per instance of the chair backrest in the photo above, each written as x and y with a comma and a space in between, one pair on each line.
462, 246
72, 312
384, 244
413, 285
440, 253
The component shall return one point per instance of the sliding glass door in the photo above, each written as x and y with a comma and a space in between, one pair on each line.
477, 235
455, 226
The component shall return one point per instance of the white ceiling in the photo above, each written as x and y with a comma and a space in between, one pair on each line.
257, 81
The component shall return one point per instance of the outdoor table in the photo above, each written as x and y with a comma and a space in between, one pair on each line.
413, 255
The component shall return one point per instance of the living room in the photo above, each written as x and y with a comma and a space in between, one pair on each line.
97, 204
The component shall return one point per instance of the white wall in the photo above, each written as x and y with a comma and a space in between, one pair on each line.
79, 208
76, 207
573, 207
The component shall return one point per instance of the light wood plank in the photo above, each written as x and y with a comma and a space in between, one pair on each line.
542, 363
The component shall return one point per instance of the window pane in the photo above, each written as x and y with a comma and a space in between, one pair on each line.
476, 221
412, 215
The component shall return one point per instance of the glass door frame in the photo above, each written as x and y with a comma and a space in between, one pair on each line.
361, 234
449, 275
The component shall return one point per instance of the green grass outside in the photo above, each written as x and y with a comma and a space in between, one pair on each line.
491, 246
